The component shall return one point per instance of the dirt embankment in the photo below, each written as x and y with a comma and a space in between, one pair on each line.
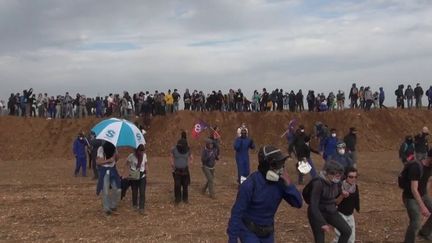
378, 130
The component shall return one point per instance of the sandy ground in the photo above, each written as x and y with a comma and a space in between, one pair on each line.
41, 201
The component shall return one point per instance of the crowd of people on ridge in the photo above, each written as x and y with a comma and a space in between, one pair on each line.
147, 104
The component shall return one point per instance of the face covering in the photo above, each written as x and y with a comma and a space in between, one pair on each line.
335, 180
341, 151
334, 135
80, 138
302, 130
274, 175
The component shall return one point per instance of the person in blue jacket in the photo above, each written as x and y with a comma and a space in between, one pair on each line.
258, 198
341, 156
79, 150
330, 145
242, 145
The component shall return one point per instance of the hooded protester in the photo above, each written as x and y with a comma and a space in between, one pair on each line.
79, 150
258, 198
322, 211
303, 153
330, 144
242, 145
181, 157
341, 156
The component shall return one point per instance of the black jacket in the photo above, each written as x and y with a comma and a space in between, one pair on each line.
351, 141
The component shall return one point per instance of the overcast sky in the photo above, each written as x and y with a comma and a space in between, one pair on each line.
96, 47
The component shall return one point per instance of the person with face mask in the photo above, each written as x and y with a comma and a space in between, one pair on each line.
347, 201
242, 145
322, 211
79, 150
258, 198
330, 144
341, 156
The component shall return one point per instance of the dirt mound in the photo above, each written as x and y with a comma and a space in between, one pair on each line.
379, 130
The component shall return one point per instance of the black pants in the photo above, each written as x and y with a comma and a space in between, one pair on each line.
138, 187
94, 166
334, 220
181, 184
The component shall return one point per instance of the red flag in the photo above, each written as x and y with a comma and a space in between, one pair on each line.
198, 128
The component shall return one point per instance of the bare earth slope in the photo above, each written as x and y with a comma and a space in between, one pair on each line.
379, 130
40, 200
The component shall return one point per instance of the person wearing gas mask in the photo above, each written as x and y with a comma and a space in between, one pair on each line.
330, 144
322, 211
79, 150
252, 215
341, 156
242, 145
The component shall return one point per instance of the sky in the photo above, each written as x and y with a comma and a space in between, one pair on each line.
98, 47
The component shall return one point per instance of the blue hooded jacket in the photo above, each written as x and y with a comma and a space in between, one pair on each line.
79, 148
258, 200
329, 147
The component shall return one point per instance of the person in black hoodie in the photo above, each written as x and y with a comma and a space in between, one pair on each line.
322, 211
348, 200
350, 141
301, 147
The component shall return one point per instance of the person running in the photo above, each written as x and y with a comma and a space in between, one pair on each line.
417, 200
322, 211
347, 201
136, 172
258, 198
242, 145
181, 158
208, 159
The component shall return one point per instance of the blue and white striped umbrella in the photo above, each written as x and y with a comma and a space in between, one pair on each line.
120, 132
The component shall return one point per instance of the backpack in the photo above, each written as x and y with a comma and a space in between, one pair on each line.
403, 181
307, 190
